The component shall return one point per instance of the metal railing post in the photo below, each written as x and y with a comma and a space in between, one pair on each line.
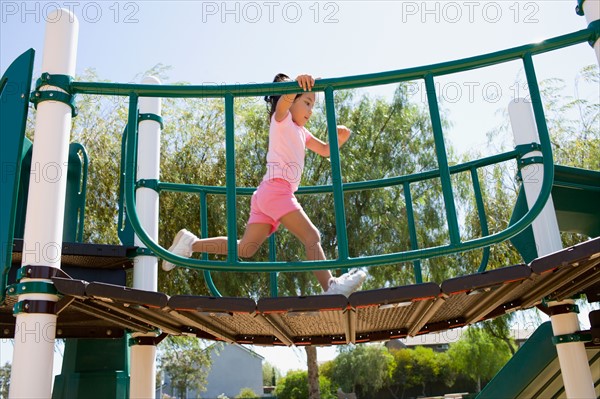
440, 151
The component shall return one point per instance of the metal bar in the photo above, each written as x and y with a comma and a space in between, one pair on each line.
204, 234
273, 276
352, 186
412, 232
440, 151
482, 218
416, 177
230, 180
366, 80
540, 120
336, 176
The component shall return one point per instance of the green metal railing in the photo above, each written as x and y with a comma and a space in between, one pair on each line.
329, 86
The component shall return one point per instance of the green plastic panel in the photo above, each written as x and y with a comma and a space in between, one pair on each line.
94, 368
14, 102
576, 195
528, 362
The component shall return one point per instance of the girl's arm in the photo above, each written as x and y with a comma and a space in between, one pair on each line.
285, 102
322, 148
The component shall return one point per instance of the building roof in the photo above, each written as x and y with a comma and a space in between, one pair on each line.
217, 345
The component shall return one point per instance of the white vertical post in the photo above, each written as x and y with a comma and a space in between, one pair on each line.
545, 226
591, 9
42, 243
576, 374
573, 360
145, 269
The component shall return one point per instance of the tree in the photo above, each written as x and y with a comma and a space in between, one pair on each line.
478, 355
364, 369
418, 367
313, 372
246, 393
5, 380
270, 374
186, 362
295, 386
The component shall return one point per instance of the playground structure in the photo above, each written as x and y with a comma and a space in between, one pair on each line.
77, 291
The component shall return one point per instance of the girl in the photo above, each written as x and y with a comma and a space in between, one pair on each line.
274, 202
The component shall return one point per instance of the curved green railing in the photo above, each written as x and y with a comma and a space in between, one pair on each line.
338, 188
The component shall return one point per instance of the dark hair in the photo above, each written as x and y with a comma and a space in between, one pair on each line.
272, 100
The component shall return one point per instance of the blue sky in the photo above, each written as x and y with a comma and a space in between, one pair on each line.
214, 42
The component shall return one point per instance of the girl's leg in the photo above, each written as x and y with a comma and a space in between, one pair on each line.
254, 236
298, 223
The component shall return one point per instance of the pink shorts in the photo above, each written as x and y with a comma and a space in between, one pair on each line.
272, 200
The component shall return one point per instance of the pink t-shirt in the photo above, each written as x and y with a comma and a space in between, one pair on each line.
287, 146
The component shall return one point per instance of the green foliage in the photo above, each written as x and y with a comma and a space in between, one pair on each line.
478, 355
364, 369
246, 393
185, 361
5, 380
295, 386
99, 127
270, 374
419, 367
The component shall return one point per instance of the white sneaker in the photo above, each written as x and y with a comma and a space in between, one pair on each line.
182, 246
346, 284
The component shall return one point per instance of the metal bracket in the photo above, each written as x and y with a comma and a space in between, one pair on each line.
568, 338
34, 306
63, 82
522, 162
45, 272
148, 183
149, 341
562, 309
54, 95
523, 149
31, 287
141, 251
151, 117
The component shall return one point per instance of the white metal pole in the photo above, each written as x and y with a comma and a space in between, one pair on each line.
545, 226
145, 269
572, 357
576, 374
42, 243
591, 9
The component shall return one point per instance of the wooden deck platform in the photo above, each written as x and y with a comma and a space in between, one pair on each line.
93, 309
